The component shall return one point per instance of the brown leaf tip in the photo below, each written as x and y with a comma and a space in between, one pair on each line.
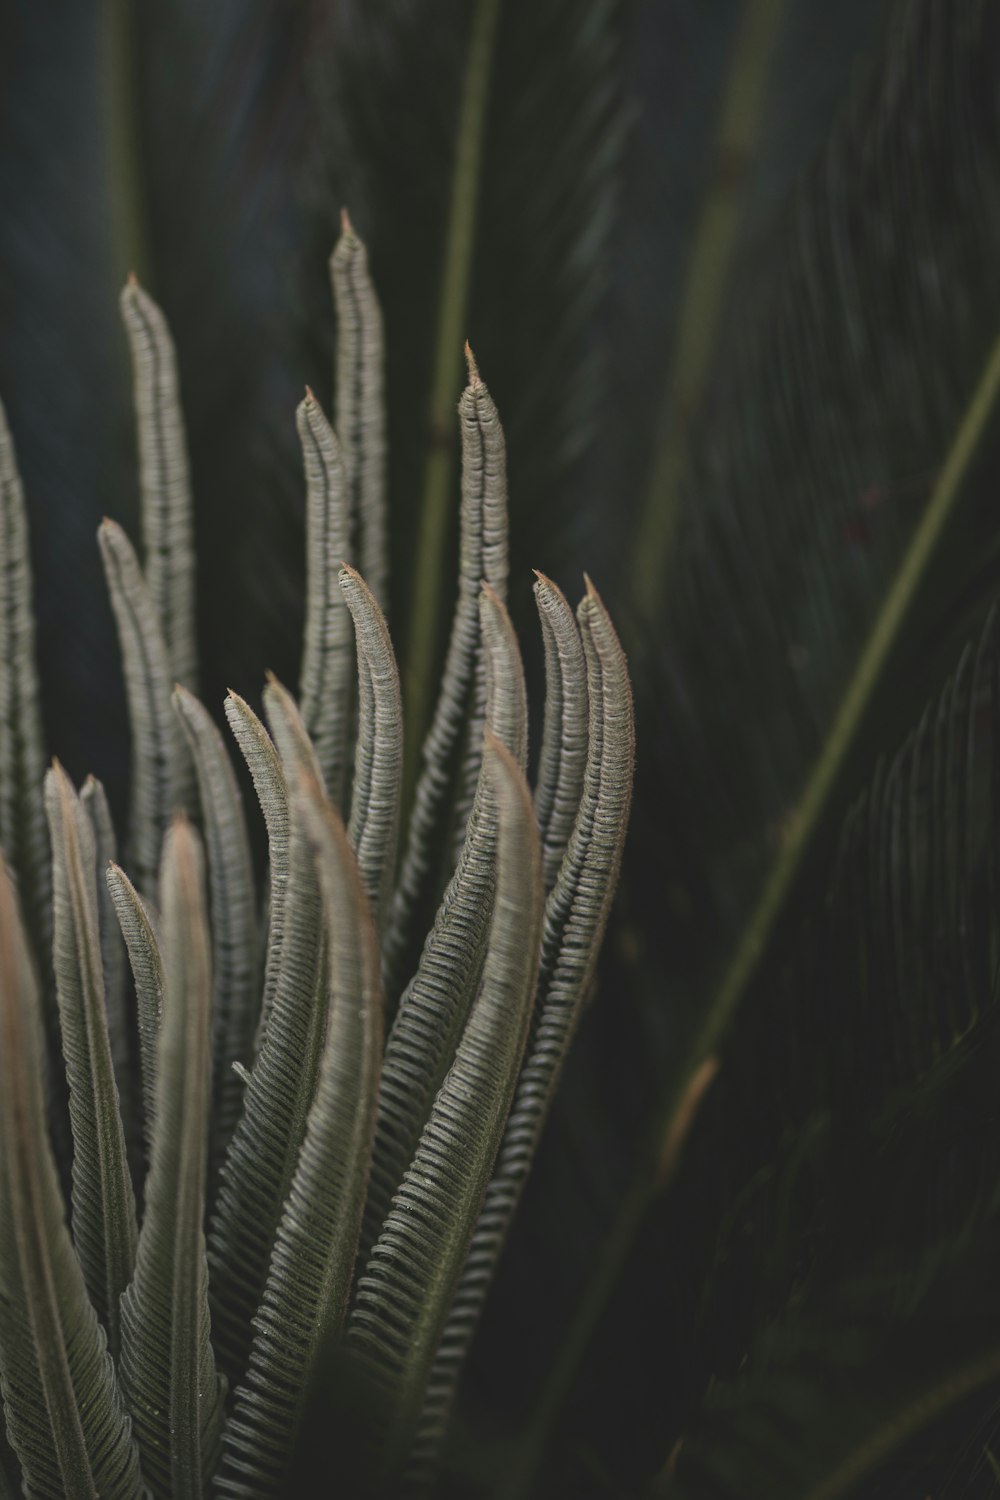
470, 360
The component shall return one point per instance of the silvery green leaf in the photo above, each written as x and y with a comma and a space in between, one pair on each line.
104, 1221
435, 1005
138, 928
378, 756
564, 731
305, 1300
359, 415
458, 711
260, 1162
167, 1367
326, 684
66, 1420
165, 488
576, 913
232, 904
410, 1277
158, 763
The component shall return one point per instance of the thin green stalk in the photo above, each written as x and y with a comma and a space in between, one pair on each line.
121, 130
446, 385
703, 297
656, 1166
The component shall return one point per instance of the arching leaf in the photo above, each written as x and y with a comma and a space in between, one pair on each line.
305, 1301
104, 1221
65, 1416
404, 1293
139, 931
167, 1367
564, 731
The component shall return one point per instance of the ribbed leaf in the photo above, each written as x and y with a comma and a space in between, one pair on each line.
404, 1293
232, 904
359, 414
326, 683
156, 754
576, 914
167, 1367
104, 1222
22, 758
259, 1165
378, 755
483, 555
269, 784
65, 1416
165, 488
435, 1005
121, 1032
564, 730
139, 931
305, 1301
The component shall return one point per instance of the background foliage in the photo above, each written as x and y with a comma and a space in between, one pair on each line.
827, 1239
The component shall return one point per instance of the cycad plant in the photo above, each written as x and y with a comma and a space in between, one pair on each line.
293, 1140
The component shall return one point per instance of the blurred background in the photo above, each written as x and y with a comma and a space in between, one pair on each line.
732, 281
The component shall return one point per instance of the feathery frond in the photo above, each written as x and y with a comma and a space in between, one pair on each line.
563, 754
65, 1416
167, 1366
139, 931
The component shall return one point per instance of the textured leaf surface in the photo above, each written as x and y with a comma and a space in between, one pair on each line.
165, 488
326, 682
378, 756
305, 1300
156, 754
263, 1152
404, 1293
576, 914
564, 731
139, 931
167, 1366
435, 1005
64, 1411
232, 905
359, 414
104, 1221
483, 556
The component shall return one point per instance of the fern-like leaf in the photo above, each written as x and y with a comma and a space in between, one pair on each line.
436, 1003
165, 487
404, 1293
305, 1300
167, 1366
359, 415
564, 731
138, 928
104, 1218
65, 1416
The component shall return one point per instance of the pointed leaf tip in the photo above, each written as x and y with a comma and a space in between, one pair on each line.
470, 359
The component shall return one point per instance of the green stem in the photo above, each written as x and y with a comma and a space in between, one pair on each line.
121, 129
446, 385
657, 1164
703, 296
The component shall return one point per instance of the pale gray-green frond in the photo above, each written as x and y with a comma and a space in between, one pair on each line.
260, 1162
564, 730
434, 1006
104, 1221
164, 483
264, 765
359, 414
407, 1286
66, 1420
378, 755
232, 904
296, 746
459, 708
157, 765
23, 835
305, 1301
167, 1367
575, 917
114, 964
326, 682
138, 928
